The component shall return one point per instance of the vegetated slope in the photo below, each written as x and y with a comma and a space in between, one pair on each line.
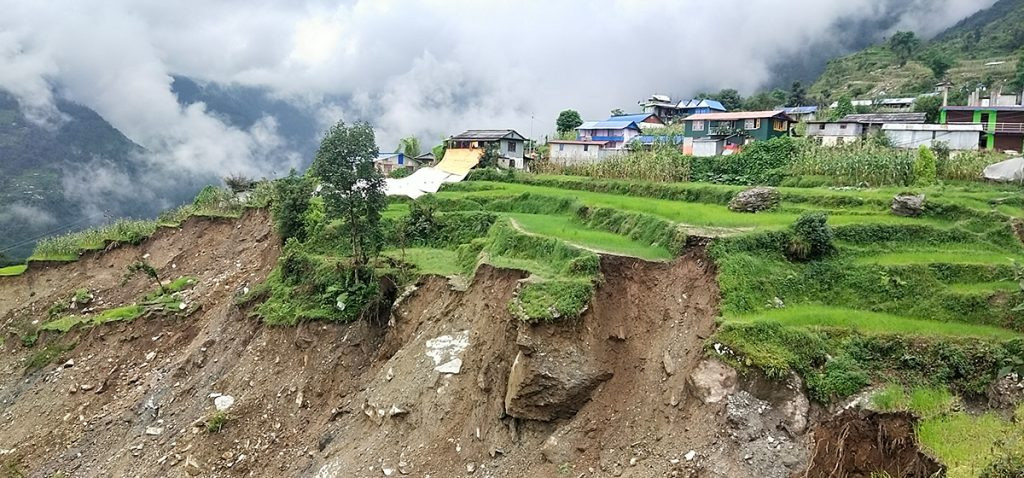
35, 162
990, 35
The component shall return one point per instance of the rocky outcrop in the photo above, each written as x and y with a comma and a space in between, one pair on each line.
755, 199
552, 384
908, 205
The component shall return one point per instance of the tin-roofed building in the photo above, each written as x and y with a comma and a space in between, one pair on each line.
739, 127
510, 144
855, 127
668, 110
596, 140
644, 120
1003, 126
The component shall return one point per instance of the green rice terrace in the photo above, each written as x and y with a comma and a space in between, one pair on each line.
829, 283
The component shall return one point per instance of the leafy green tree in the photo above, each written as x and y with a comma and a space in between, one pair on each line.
843, 107
728, 97
291, 201
766, 100
903, 45
797, 95
143, 267
924, 166
409, 146
939, 63
618, 112
353, 190
439, 150
490, 157
568, 120
930, 105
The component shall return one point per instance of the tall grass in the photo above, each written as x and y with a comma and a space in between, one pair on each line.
664, 163
863, 163
68, 246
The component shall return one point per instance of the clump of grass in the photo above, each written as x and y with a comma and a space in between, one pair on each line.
45, 356
68, 247
925, 402
969, 444
13, 270
217, 421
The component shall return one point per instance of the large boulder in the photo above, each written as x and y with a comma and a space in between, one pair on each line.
755, 199
712, 381
908, 204
551, 385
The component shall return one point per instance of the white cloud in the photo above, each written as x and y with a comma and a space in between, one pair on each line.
428, 68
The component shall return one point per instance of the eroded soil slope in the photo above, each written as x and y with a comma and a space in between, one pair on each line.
452, 386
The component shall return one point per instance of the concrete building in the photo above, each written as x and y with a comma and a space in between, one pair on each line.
857, 126
579, 151
1003, 126
739, 127
509, 143
670, 111
616, 134
958, 137
388, 162
801, 113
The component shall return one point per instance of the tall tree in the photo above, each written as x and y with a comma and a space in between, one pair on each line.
903, 45
353, 190
567, 121
939, 63
797, 95
930, 106
409, 146
766, 100
843, 107
618, 112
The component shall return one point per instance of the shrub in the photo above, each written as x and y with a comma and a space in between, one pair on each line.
812, 228
924, 166
239, 183
289, 206
1007, 465
400, 173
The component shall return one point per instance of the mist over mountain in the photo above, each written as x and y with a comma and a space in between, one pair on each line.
196, 91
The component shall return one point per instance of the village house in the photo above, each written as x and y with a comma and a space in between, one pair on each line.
716, 133
596, 140
509, 143
670, 111
957, 137
644, 120
855, 127
388, 162
1002, 126
801, 113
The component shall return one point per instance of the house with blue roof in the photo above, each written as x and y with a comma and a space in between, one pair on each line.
595, 140
644, 120
669, 110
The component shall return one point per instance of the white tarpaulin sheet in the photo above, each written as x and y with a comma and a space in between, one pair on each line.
1009, 170
423, 181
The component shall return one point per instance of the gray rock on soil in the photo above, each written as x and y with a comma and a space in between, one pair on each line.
712, 381
908, 205
547, 386
755, 199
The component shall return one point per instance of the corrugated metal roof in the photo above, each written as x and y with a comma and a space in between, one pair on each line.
637, 117
877, 118
736, 115
608, 125
799, 110
983, 108
487, 135
567, 141
933, 127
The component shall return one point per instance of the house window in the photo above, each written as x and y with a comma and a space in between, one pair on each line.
586, 147
751, 123
511, 146
821, 126
779, 125
842, 126
561, 147
698, 125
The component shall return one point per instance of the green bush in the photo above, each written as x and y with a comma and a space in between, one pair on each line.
812, 229
400, 173
924, 166
1007, 465
291, 201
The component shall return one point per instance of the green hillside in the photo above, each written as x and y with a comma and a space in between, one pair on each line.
993, 35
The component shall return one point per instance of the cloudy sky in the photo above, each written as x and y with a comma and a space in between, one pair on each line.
425, 68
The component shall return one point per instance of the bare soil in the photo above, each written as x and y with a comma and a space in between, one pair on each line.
365, 400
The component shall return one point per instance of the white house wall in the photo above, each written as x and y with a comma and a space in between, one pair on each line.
956, 140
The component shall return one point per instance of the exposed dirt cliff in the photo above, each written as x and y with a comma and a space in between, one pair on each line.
453, 385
